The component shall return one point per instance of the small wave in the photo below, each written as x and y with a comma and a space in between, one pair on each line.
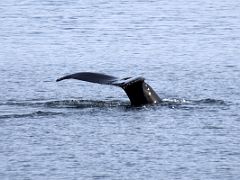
211, 101
23, 103
169, 102
31, 115
84, 104
192, 104
176, 101
212, 127
67, 103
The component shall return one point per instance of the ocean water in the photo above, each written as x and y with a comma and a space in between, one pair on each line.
188, 51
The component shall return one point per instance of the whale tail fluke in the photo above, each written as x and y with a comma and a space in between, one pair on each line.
90, 77
138, 91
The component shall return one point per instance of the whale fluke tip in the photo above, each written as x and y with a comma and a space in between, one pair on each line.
59, 79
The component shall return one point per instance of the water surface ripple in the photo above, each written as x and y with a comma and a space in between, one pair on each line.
188, 51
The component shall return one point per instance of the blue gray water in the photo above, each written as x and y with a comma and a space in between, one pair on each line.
188, 51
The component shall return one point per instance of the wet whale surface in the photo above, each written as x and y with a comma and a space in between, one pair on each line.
188, 51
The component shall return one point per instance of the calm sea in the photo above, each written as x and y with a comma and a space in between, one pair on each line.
188, 51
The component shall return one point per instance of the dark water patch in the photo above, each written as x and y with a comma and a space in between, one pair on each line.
211, 101
30, 115
212, 127
100, 176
